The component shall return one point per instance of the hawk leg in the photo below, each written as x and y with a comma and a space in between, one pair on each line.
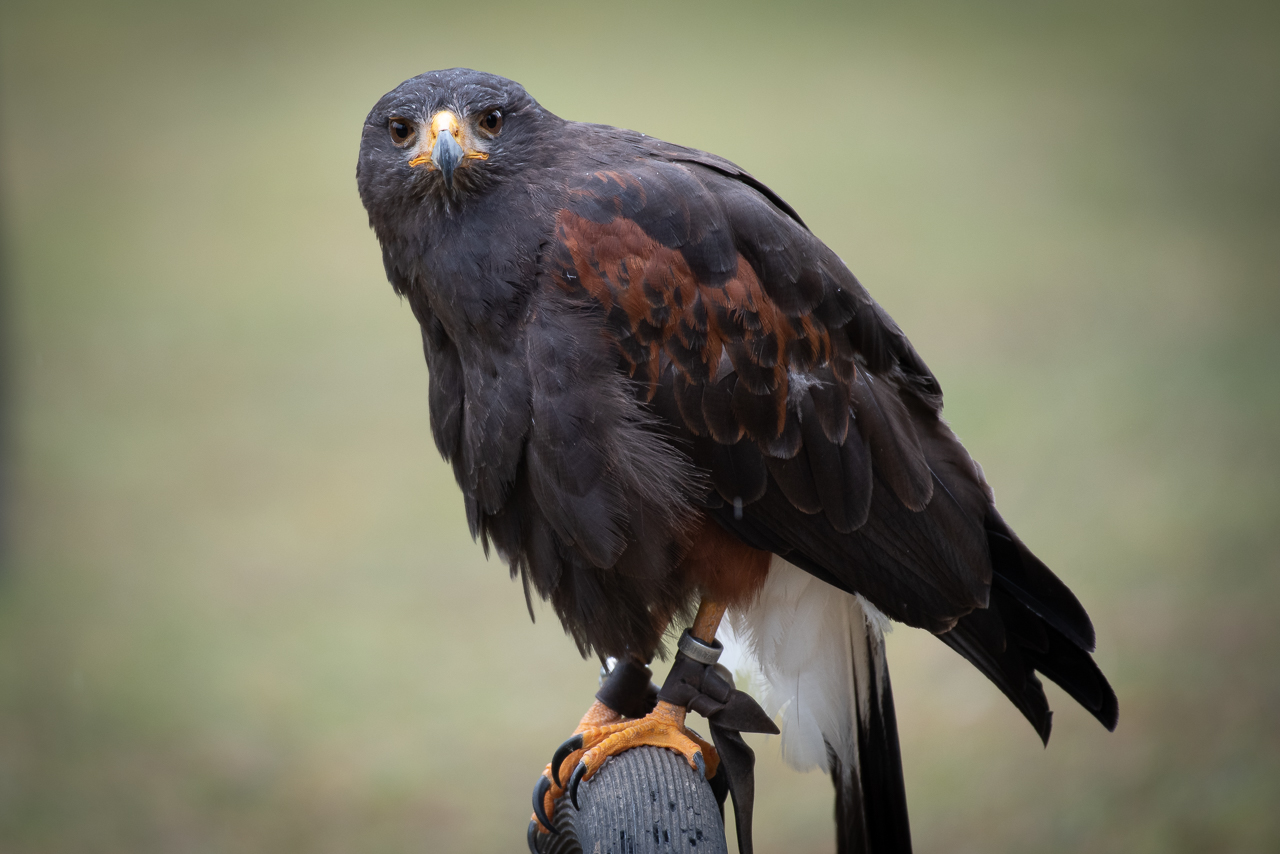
606, 730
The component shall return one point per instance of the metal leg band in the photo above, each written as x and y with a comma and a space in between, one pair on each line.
700, 651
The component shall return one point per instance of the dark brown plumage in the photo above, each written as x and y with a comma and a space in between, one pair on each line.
629, 340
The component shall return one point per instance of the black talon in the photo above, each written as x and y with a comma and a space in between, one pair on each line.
539, 803
574, 781
532, 838
698, 762
574, 742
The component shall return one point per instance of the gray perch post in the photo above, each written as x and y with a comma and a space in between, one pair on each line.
644, 801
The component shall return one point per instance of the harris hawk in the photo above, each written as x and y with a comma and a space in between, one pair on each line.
659, 392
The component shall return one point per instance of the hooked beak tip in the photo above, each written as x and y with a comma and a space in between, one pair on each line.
446, 155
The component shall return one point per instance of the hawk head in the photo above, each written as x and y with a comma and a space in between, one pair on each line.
444, 136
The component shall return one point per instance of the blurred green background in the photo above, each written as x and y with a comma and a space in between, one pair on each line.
240, 611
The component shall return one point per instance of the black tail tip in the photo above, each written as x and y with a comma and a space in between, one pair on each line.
1109, 714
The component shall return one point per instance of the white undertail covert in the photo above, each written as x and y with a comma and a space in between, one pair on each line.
815, 648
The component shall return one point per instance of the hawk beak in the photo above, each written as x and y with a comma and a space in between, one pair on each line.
446, 155
447, 144
442, 149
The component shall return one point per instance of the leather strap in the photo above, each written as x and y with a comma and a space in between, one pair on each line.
627, 689
730, 712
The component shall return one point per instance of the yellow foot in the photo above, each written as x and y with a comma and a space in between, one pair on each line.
549, 790
603, 733
663, 727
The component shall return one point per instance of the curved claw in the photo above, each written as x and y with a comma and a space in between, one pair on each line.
574, 742
539, 803
574, 781
698, 762
532, 838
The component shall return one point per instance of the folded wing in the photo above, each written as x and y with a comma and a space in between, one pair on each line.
816, 421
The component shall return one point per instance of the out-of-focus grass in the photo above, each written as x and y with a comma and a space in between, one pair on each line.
241, 612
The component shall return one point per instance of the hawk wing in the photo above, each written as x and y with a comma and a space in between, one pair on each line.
816, 421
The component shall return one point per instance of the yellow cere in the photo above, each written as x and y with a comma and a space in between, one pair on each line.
446, 121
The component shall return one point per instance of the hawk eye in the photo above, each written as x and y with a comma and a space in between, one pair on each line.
492, 122
402, 131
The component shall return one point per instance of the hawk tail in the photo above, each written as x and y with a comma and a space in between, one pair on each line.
871, 800
821, 654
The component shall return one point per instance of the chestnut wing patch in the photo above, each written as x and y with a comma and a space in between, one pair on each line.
664, 268
759, 349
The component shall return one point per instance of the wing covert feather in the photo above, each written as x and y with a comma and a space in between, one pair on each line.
816, 421
779, 366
